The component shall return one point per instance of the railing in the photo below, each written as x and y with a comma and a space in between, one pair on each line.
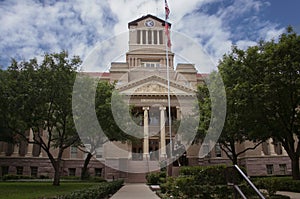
232, 181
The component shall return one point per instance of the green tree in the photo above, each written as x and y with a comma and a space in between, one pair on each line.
266, 87
93, 112
39, 97
275, 87
233, 130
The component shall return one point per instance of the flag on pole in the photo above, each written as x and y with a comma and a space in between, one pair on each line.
167, 9
166, 24
168, 34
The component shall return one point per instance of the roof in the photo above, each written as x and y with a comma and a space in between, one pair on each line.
97, 74
134, 23
202, 75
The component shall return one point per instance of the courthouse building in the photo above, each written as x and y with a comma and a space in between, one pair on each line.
142, 80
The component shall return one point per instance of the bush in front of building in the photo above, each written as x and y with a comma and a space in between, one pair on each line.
102, 190
16, 177
203, 175
156, 178
274, 184
185, 187
202, 182
77, 178
198, 182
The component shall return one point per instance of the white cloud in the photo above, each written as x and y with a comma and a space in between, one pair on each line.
29, 28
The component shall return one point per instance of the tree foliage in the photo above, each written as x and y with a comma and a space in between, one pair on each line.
38, 97
263, 89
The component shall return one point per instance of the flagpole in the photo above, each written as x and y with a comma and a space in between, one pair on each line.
168, 80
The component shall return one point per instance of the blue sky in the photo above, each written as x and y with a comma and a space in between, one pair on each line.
29, 28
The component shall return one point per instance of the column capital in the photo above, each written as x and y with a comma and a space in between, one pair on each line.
146, 108
162, 108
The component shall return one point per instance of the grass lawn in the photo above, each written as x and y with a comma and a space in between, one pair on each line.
35, 190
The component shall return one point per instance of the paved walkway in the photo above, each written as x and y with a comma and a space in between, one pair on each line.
291, 194
142, 191
135, 191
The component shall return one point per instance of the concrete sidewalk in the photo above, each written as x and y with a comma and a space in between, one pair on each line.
135, 191
292, 195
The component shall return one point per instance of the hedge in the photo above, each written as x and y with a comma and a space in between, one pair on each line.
16, 177
156, 178
273, 184
206, 175
102, 190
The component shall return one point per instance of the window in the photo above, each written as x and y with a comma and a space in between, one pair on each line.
160, 37
99, 151
19, 170
4, 170
34, 171
155, 36
270, 169
36, 150
72, 171
144, 36
98, 172
265, 147
206, 151
73, 152
282, 169
278, 148
149, 37
150, 64
138, 37
218, 152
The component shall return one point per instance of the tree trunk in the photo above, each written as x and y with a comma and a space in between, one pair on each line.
234, 159
295, 168
56, 181
233, 151
84, 172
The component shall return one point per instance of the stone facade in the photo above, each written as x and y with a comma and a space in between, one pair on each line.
142, 80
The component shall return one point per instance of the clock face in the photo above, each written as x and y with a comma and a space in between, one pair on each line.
149, 23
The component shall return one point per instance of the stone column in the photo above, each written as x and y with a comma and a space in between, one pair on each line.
271, 147
2, 153
261, 149
30, 145
16, 150
163, 153
178, 111
146, 133
138, 62
284, 151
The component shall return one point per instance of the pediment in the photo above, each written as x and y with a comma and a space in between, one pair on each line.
155, 85
135, 22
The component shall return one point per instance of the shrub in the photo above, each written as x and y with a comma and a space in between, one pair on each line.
102, 190
75, 178
156, 178
207, 182
273, 184
212, 175
96, 179
16, 177
44, 177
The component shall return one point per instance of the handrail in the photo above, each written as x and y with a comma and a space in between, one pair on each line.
249, 182
240, 191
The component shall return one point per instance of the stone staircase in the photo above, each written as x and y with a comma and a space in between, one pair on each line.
139, 169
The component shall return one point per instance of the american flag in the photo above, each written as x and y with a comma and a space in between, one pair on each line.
166, 24
168, 34
167, 9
